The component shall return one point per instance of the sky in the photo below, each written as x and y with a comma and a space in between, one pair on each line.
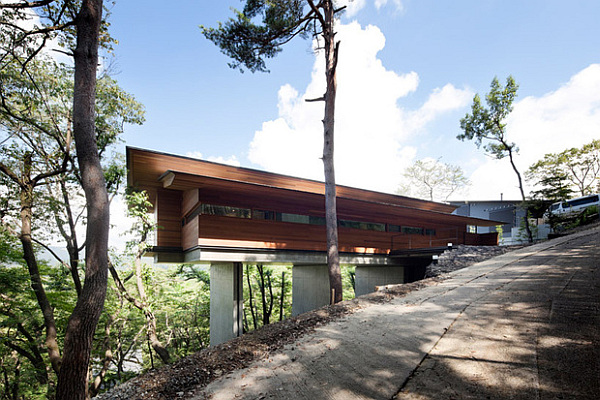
407, 74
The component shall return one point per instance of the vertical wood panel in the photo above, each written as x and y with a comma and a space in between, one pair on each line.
168, 218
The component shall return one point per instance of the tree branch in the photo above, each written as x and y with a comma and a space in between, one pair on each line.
322, 98
27, 4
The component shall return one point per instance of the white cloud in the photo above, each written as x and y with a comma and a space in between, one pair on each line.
354, 6
398, 5
371, 128
565, 118
231, 160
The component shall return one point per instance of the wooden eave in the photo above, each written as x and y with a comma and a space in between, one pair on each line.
260, 196
145, 167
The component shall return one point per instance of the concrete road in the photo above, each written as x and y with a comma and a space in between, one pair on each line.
525, 325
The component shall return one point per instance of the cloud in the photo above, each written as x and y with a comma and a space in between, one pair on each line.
354, 6
231, 160
398, 5
565, 118
371, 129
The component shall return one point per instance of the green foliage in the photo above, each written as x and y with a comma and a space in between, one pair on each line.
348, 282
263, 294
56, 22
249, 43
562, 174
487, 124
569, 221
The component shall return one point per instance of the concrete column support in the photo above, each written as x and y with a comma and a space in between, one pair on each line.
226, 302
369, 276
310, 288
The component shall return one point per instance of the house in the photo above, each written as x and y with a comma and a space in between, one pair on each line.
509, 212
226, 216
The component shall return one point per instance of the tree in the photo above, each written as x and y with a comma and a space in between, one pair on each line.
82, 21
572, 170
488, 124
249, 44
432, 180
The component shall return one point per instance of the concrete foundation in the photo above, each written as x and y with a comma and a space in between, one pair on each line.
226, 302
310, 288
367, 277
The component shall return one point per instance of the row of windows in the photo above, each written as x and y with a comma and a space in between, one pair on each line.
237, 212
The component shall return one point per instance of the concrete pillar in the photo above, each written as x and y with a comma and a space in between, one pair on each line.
310, 288
369, 276
226, 302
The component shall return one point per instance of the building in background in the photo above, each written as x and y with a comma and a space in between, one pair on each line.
510, 212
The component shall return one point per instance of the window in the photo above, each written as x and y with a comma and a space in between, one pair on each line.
225, 211
394, 228
585, 200
371, 226
296, 218
262, 214
411, 230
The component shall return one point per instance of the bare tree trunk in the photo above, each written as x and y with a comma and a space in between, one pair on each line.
331, 57
526, 218
251, 297
32, 265
158, 347
73, 376
282, 296
108, 357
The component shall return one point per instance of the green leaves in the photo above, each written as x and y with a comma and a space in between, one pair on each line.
572, 170
249, 42
487, 124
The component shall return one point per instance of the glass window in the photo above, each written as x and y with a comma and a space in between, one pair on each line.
411, 230
225, 211
394, 228
263, 214
296, 218
371, 226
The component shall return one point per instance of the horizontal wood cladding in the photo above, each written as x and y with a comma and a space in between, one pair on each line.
249, 233
145, 168
179, 185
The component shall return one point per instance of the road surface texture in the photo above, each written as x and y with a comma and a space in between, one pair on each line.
524, 325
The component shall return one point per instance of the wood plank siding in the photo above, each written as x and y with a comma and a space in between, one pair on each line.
199, 203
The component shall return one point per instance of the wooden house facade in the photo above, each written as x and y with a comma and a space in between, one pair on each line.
203, 205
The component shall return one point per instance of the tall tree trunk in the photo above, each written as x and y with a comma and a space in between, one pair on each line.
73, 376
26, 199
282, 296
251, 297
331, 57
526, 218
154, 341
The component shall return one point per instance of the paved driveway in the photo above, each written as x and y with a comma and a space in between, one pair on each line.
525, 325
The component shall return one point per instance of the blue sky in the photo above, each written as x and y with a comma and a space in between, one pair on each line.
408, 71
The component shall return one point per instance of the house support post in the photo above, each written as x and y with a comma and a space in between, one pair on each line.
226, 302
368, 276
310, 288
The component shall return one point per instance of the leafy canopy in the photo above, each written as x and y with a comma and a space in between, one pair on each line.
258, 31
488, 123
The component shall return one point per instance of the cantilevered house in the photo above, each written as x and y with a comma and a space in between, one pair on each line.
224, 215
